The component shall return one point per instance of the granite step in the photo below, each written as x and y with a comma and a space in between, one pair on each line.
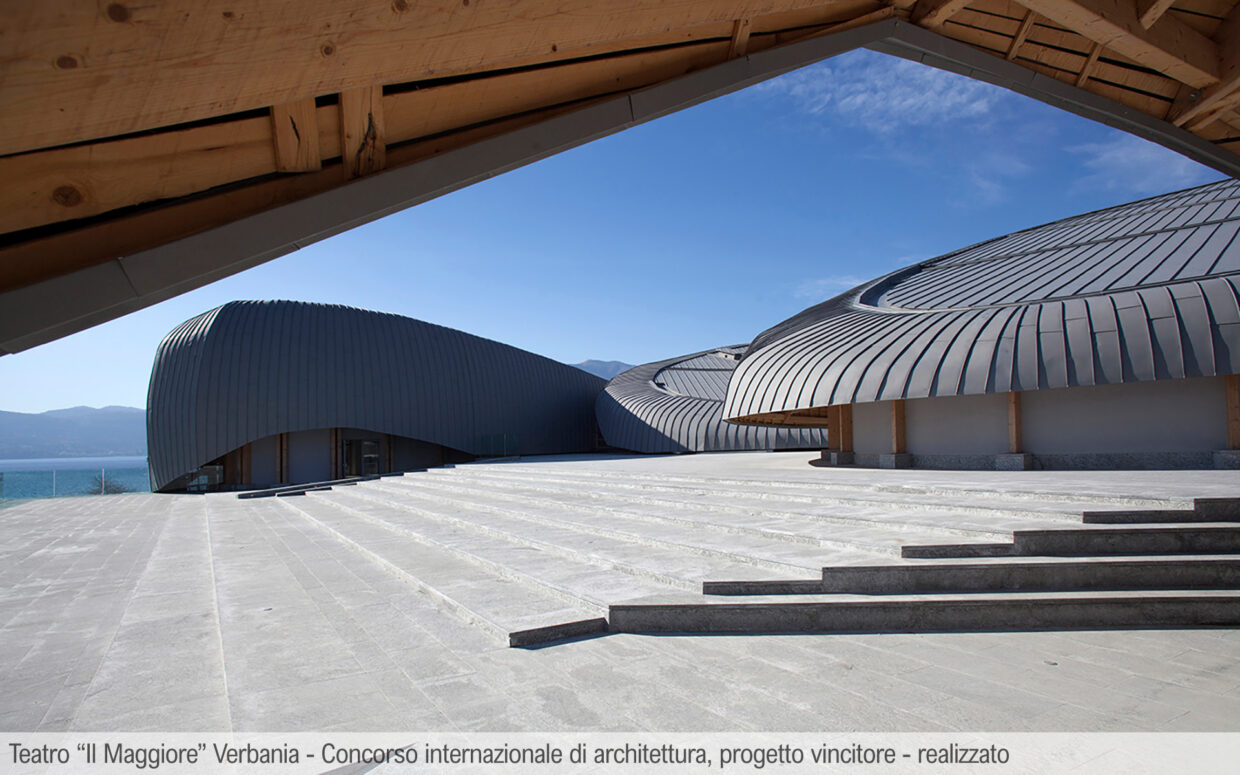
1201, 538
1172, 572
927, 613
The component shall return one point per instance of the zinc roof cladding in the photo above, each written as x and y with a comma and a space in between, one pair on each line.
1142, 291
705, 376
676, 405
251, 369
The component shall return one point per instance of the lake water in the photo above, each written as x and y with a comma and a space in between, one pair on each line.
64, 476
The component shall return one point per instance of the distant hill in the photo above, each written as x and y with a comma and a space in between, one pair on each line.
604, 369
80, 431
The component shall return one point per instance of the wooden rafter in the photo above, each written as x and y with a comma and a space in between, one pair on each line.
1171, 47
1204, 102
740, 38
295, 135
122, 173
1091, 62
1152, 10
363, 141
71, 72
933, 14
1022, 33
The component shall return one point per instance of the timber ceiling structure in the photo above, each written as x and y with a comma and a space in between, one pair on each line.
150, 148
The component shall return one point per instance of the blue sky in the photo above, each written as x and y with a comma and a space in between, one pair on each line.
697, 230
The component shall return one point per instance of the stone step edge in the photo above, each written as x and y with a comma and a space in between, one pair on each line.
1064, 515
441, 600
918, 616
498, 569
554, 633
890, 550
638, 539
456, 484
835, 580
1054, 497
1024, 542
554, 549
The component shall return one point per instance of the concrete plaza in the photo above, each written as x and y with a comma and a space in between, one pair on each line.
379, 607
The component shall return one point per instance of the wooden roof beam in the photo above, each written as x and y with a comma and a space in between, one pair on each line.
1021, 34
1170, 46
933, 14
1152, 10
1200, 105
740, 39
70, 68
1091, 62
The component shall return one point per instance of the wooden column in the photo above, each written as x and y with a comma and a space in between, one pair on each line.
282, 458
333, 436
899, 444
1231, 389
846, 428
833, 428
1015, 440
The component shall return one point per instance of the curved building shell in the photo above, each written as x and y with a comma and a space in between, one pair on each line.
248, 376
676, 405
1147, 292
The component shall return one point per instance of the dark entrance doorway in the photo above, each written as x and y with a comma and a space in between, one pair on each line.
361, 457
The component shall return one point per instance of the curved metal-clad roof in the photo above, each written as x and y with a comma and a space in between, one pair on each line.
1143, 291
251, 369
676, 406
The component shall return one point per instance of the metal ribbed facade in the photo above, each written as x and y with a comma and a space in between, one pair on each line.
248, 370
1144, 291
676, 406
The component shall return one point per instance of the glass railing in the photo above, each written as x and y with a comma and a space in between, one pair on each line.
62, 481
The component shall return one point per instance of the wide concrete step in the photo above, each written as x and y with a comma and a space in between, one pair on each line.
975, 511
989, 613
1143, 517
1203, 510
690, 537
1007, 576
1210, 538
826, 519
879, 534
594, 568
1031, 496
515, 612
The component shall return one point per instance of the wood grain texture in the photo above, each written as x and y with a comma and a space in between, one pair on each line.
70, 68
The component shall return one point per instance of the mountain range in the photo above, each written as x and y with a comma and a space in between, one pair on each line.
604, 369
80, 431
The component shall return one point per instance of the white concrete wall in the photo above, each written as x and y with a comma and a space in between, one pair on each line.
309, 455
957, 425
1161, 416
872, 428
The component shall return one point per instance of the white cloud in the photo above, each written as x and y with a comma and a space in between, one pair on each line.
988, 172
826, 287
1137, 167
885, 94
